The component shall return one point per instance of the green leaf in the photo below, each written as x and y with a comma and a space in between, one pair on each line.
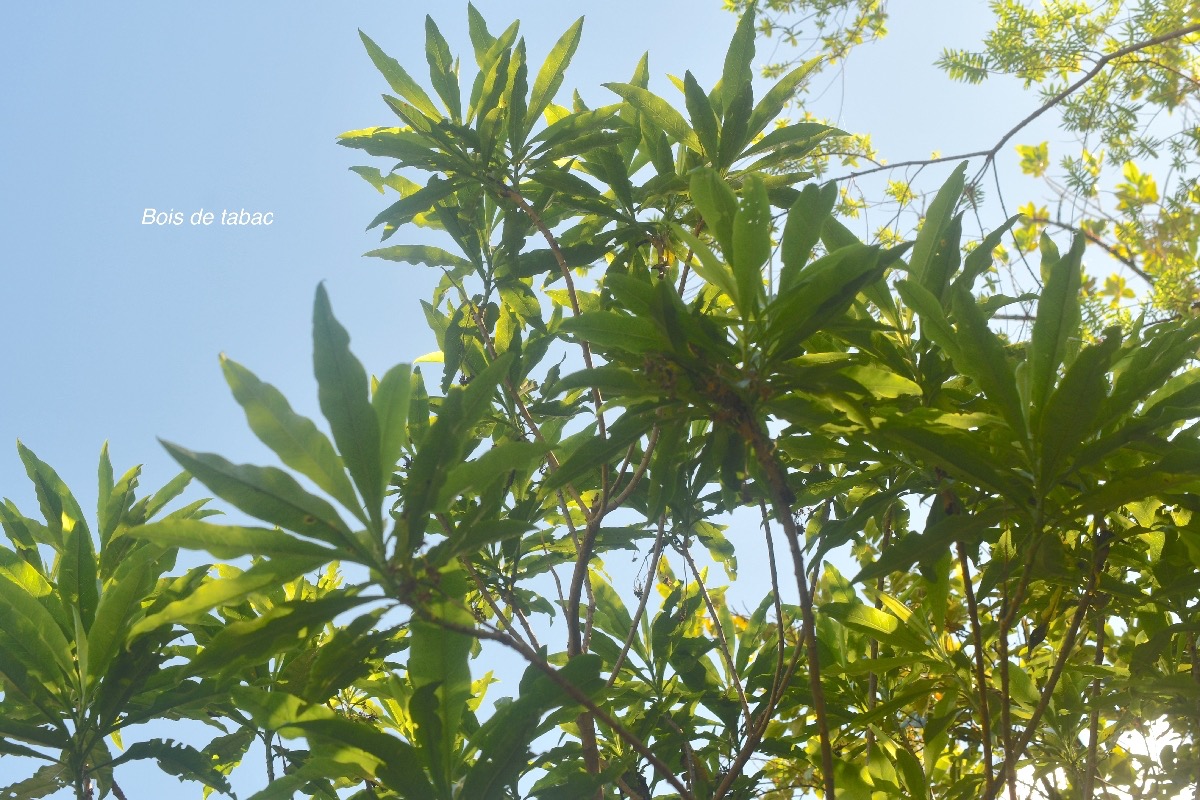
709, 267
271, 495
443, 70
34, 653
222, 591
77, 570
283, 628
611, 330
550, 76
958, 453
802, 230
420, 254
1056, 328
877, 624
932, 237
1072, 409
181, 760
439, 657
400, 81
294, 438
441, 447
981, 357
777, 97
496, 465
820, 293
596, 450
398, 766
751, 244
228, 542
664, 116
406, 208
704, 118
343, 392
736, 74
120, 602
391, 399
717, 204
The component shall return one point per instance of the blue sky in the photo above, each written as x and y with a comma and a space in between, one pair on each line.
111, 329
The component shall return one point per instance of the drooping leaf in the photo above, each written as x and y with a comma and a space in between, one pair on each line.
343, 391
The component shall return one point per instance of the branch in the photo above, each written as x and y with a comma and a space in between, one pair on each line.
722, 643
985, 720
990, 154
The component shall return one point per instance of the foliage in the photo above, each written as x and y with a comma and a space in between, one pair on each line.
1120, 75
1018, 513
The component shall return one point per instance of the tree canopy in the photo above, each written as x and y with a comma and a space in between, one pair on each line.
659, 338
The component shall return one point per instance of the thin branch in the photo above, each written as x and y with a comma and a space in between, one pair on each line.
722, 643
990, 154
655, 553
985, 721
1089, 774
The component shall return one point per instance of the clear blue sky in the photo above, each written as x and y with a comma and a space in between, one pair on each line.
111, 329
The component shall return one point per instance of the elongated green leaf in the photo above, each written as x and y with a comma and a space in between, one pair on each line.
751, 244
441, 448
406, 208
35, 651
983, 359
822, 292
294, 438
802, 230
778, 96
343, 391
550, 76
77, 570
704, 118
420, 254
596, 451
710, 268
398, 768
717, 204
660, 112
504, 739
1056, 331
958, 453
121, 600
230, 541
736, 74
443, 70
181, 760
221, 591
490, 468
610, 330
269, 494
932, 236
1072, 409
391, 400
282, 628
439, 658
876, 623
400, 81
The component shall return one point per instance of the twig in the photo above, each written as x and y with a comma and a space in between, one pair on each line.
722, 643
1089, 775
655, 553
990, 154
985, 721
